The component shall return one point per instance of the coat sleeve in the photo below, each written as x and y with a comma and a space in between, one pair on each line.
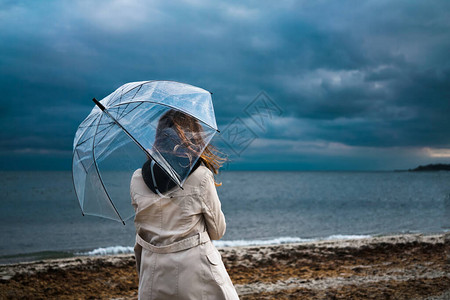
132, 194
211, 208
133, 189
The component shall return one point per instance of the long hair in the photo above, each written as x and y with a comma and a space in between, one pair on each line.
191, 143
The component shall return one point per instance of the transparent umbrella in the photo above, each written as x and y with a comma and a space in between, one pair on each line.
128, 127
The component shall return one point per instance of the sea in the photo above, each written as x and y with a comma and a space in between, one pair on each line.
40, 216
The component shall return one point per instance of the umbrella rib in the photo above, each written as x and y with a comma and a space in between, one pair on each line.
133, 108
123, 110
109, 128
100, 177
91, 125
73, 182
81, 143
106, 133
161, 81
84, 168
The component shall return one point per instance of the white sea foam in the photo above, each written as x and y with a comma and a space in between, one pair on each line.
108, 251
275, 241
233, 243
347, 237
285, 240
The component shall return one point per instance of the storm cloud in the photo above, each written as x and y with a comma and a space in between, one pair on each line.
361, 85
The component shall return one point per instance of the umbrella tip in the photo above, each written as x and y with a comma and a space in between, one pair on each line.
98, 104
123, 222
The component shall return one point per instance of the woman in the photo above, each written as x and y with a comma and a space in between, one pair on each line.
175, 258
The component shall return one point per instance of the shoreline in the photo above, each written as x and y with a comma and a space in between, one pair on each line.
411, 266
47, 255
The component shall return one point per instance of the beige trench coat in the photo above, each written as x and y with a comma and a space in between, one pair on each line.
191, 217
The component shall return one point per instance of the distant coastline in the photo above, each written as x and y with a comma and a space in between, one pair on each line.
431, 167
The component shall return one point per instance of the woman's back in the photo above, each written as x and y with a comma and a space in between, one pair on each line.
175, 258
162, 221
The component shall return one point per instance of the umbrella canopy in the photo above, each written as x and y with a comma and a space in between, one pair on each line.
168, 122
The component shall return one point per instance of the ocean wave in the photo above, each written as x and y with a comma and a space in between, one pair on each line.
232, 243
285, 240
346, 237
275, 241
108, 251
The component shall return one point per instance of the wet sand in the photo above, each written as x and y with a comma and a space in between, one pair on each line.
389, 267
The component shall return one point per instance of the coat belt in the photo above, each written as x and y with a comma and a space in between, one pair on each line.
187, 243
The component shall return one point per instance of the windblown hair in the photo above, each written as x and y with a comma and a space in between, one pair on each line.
191, 143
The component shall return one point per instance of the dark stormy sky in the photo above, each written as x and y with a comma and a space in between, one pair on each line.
356, 85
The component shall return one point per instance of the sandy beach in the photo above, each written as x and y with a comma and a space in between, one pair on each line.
389, 267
